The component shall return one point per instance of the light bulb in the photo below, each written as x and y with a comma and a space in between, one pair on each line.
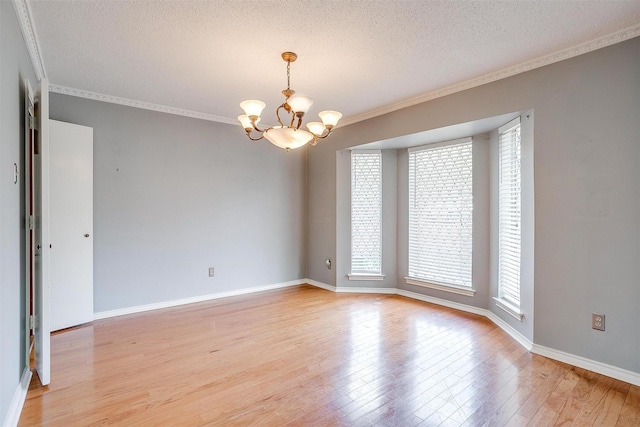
252, 107
316, 128
299, 103
330, 118
245, 121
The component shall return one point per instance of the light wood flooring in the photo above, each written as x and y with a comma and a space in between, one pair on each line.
303, 356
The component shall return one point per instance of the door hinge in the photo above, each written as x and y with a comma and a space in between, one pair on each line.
32, 322
33, 123
32, 222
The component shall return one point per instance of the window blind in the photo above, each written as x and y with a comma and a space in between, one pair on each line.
366, 212
440, 213
509, 213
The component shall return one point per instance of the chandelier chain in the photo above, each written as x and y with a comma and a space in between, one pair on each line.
288, 75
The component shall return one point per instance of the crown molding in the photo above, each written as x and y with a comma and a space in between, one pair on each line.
139, 104
29, 33
608, 40
30, 36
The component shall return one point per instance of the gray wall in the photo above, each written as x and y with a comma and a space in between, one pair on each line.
15, 66
587, 198
174, 196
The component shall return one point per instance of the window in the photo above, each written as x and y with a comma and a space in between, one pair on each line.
509, 214
440, 216
366, 215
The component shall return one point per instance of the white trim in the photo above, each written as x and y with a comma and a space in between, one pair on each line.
174, 303
441, 286
358, 276
524, 341
139, 104
360, 290
442, 302
588, 364
509, 308
15, 409
30, 37
604, 41
319, 285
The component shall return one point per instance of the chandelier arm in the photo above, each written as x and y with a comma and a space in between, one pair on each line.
299, 122
324, 136
257, 128
252, 138
278, 115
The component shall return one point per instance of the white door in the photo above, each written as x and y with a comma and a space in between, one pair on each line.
42, 252
71, 222
30, 244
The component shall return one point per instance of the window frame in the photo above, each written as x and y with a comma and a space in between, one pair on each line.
504, 301
456, 288
363, 274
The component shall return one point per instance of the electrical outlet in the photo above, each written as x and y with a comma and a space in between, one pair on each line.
597, 321
211, 272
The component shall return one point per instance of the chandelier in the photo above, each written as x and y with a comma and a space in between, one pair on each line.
291, 135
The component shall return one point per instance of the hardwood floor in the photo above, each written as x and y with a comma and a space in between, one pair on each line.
304, 356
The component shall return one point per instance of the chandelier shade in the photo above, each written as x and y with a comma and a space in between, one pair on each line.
252, 107
288, 135
288, 138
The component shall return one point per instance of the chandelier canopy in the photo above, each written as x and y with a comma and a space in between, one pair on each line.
289, 135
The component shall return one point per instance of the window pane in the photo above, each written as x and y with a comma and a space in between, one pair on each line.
509, 228
366, 213
440, 214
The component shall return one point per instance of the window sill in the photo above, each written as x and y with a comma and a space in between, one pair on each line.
511, 309
460, 290
363, 277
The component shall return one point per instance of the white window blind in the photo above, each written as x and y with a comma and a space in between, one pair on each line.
509, 213
366, 212
440, 213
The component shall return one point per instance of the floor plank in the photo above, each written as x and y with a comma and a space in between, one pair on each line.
303, 356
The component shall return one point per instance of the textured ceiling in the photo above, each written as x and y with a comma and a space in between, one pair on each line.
357, 57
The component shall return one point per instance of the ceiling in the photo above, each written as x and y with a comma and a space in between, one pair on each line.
362, 58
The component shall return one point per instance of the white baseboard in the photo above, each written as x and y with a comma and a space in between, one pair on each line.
571, 359
320, 285
524, 341
442, 302
588, 364
201, 298
15, 409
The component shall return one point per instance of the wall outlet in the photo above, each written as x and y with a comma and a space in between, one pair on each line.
211, 272
597, 321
